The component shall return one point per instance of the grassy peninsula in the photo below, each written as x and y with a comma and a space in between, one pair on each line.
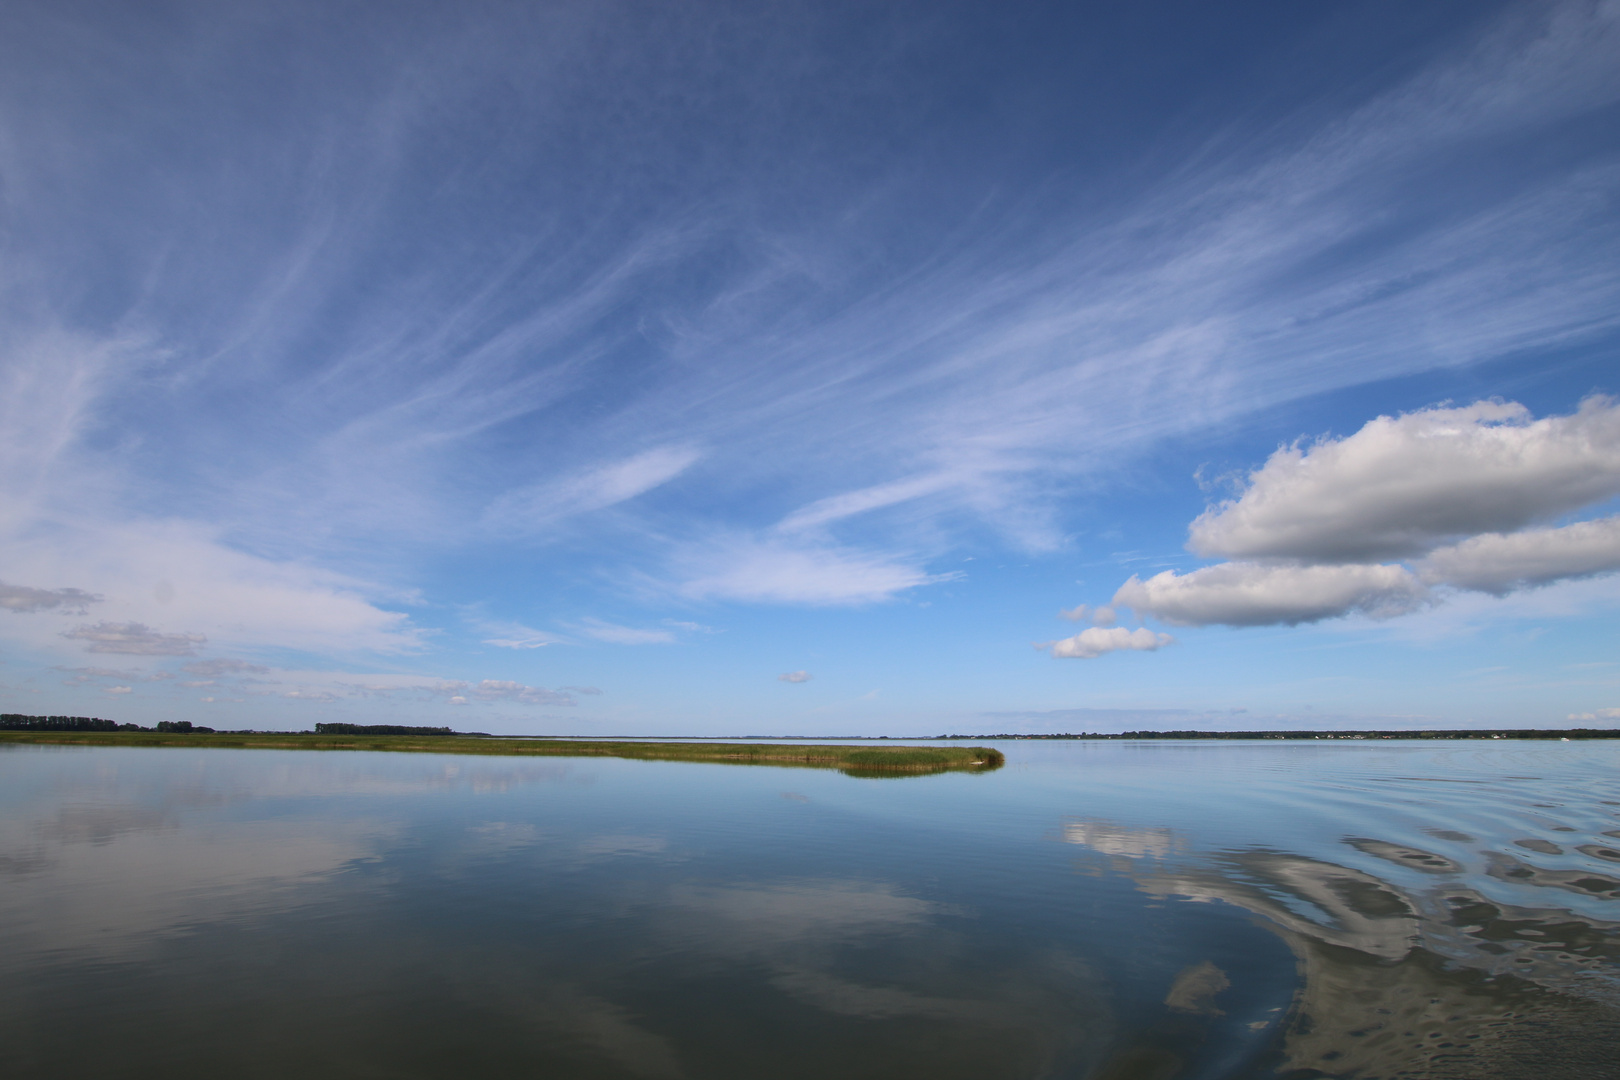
864, 761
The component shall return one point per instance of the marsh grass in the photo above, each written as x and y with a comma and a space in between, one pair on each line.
860, 761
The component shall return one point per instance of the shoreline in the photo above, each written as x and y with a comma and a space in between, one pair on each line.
851, 760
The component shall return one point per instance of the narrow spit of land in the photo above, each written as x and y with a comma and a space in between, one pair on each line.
865, 761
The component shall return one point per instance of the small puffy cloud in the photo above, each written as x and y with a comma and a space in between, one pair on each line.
135, 639
22, 599
1402, 486
1098, 640
213, 669
1258, 594
795, 676
782, 572
1098, 616
623, 635
1498, 564
117, 690
1599, 714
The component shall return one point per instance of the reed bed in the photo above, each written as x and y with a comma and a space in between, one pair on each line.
865, 761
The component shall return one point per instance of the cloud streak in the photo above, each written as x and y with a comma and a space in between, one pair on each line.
23, 599
134, 639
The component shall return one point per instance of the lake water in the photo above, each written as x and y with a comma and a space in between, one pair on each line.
1107, 910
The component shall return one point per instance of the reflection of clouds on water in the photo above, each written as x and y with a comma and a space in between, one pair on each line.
1425, 976
758, 916
1328, 903
1196, 988
495, 838
620, 844
217, 777
113, 897
1027, 1011
564, 1012
848, 998
1111, 839
103, 850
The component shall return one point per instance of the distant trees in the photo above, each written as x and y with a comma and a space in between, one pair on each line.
182, 726
378, 729
19, 722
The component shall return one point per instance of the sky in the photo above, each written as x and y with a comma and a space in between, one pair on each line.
811, 368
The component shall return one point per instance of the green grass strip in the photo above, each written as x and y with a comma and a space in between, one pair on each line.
866, 761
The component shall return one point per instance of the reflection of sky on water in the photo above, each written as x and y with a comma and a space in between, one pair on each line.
1207, 911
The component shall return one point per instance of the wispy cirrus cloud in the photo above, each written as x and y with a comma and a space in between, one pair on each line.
514, 635
97, 676
538, 506
614, 634
772, 571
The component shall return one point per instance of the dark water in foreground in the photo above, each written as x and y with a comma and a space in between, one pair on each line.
1110, 910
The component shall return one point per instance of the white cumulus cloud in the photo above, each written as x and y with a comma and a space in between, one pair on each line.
1402, 486
1453, 491
1099, 640
1499, 564
1258, 594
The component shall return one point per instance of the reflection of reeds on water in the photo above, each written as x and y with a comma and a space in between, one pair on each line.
861, 761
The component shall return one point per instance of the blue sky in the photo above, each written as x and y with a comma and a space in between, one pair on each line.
811, 368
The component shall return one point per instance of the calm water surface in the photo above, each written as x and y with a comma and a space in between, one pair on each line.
1108, 910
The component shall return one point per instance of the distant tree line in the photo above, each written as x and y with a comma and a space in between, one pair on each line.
19, 722
378, 729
